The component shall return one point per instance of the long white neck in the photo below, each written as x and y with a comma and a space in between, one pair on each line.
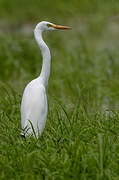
45, 71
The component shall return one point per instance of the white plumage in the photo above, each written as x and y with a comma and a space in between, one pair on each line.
34, 107
34, 101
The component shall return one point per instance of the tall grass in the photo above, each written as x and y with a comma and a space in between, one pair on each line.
75, 144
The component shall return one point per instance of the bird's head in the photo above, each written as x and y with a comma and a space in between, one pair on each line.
47, 26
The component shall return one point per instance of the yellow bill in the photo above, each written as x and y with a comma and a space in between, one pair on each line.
60, 27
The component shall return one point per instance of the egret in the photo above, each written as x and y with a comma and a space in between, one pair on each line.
34, 107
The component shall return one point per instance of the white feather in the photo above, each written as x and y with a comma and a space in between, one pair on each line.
34, 107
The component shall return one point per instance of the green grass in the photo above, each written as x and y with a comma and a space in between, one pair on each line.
81, 137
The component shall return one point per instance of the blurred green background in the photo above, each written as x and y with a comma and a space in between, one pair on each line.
84, 60
81, 138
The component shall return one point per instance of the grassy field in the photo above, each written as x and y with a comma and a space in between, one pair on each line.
81, 137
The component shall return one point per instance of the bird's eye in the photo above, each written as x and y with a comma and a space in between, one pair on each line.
49, 25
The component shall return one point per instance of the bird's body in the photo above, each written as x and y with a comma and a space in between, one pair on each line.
34, 101
34, 107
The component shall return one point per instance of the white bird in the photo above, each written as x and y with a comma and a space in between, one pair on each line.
34, 101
